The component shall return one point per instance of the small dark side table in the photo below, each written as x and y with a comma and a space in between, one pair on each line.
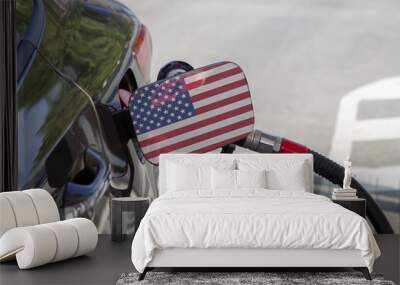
357, 205
126, 214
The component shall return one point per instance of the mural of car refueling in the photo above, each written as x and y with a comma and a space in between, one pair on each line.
145, 174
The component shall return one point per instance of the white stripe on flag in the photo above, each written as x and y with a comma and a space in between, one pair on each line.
215, 84
208, 73
197, 132
213, 140
194, 119
221, 96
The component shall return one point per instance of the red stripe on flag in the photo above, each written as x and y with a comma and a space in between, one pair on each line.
200, 138
223, 102
196, 125
199, 70
218, 144
218, 90
213, 78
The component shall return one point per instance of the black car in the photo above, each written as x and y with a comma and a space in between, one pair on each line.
72, 58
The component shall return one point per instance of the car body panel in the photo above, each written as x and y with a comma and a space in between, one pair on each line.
74, 73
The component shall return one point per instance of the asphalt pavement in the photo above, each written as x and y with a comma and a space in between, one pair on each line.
323, 73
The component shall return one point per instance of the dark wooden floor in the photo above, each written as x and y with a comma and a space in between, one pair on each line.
102, 266
110, 260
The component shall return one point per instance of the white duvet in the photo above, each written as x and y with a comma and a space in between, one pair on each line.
252, 218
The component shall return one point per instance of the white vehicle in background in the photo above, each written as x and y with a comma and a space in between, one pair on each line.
369, 120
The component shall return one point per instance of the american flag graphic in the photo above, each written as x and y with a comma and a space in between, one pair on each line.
194, 112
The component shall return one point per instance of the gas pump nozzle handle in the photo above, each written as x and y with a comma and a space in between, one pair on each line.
266, 143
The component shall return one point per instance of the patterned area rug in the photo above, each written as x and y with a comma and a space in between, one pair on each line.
225, 278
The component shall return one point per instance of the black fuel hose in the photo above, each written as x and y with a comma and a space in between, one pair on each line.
334, 172
266, 143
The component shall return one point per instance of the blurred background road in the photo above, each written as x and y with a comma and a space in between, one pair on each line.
323, 73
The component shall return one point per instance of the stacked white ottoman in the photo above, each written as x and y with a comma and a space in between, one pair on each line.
31, 230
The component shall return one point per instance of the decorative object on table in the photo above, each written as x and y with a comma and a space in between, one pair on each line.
345, 193
31, 231
356, 205
126, 214
244, 278
347, 174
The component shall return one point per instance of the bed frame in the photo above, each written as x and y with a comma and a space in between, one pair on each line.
242, 259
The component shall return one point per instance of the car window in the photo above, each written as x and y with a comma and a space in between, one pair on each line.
87, 40
23, 14
46, 106
30, 22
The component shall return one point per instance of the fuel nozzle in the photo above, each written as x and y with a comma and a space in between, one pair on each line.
266, 143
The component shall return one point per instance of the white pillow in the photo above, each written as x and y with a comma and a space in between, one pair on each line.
235, 179
251, 178
182, 177
223, 179
188, 176
281, 175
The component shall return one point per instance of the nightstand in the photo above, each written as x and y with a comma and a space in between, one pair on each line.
126, 214
357, 205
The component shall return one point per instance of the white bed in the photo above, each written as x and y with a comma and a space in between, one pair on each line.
249, 227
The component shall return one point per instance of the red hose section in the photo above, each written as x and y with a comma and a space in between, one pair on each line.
288, 146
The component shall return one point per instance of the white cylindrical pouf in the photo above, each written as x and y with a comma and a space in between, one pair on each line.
7, 218
23, 208
87, 234
33, 246
45, 205
67, 240
40, 244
